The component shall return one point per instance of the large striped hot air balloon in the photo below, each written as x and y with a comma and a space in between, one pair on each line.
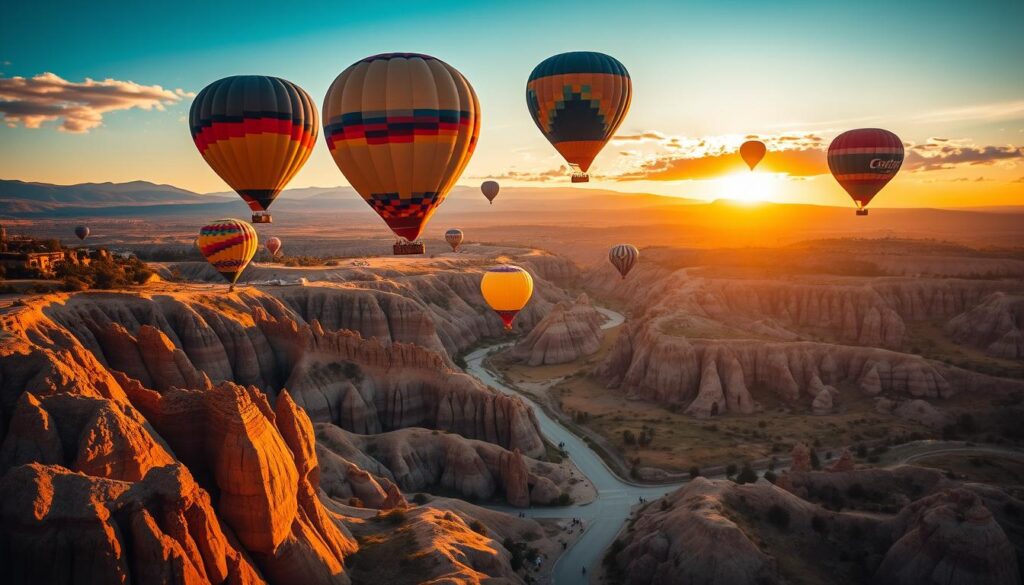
578, 100
863, 161
228, 245
402, 127
752, 151
454, 238
623, 257
82, 232
490, 190
507, 289
256, 132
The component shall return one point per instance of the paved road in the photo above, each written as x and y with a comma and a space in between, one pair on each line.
604, 516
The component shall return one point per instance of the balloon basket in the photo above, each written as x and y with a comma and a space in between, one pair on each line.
409, 248
580, 178
262, 219
862, 212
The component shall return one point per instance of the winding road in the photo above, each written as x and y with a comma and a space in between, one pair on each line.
604, 516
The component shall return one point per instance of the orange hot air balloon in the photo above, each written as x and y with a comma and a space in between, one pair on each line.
507, 289
578, 100
401, 128
256, 132
228, 245
864, 161
490, 190
752, 152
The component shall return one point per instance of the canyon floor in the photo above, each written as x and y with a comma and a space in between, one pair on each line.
367, 420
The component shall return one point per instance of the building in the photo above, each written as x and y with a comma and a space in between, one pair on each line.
20, 255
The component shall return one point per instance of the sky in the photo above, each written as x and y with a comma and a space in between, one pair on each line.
102, 93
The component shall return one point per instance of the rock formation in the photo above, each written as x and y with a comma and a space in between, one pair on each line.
996, 325
567, 333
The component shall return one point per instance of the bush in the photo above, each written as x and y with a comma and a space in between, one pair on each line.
770, 476
395, 516
355, 502
730, 470
819, 525
563, 499
420, 499
815, 461
778, 516
694, 472
628, 437
747, 475
74, 284
478, 527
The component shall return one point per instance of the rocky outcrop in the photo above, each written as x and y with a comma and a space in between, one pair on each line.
161, 529
567, 333
950, 538
702, 374
423, 460
996, 325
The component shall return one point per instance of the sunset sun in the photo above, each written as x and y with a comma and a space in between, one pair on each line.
747, 187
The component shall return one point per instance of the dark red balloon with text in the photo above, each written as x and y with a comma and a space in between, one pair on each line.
864, 161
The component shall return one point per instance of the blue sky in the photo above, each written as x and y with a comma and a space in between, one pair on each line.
716, 70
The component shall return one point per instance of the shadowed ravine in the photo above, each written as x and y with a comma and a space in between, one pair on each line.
604, 516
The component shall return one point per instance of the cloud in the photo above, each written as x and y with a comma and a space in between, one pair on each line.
562, 171
943, 154
80, 106
998, 111
796, 163
649, 135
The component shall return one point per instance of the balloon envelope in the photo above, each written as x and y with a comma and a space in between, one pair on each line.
864, 160
490, 190
256, 132
228, 245
752, 152
401, 127
454, 238
623, 257
273, 246
506, 289
82, 232
578, 100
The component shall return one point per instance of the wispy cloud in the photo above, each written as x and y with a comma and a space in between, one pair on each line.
998, 111
80, 106
943, 153
562, 171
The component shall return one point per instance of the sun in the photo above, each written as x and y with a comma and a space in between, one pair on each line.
747, 187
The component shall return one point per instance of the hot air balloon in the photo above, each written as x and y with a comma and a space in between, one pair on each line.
454, 238
863, 161
256, 132
490, 190
623, 257
402, 127
507, 289
82, 232
228, 245
578, 100
273, 246
752, 152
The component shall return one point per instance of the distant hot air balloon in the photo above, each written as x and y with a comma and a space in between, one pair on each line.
402, 127
863, 161
623, 257
490, 190
273, 246
454, 238
578, 100
507, 289
82, 232
256, 132
228, 245
752, 152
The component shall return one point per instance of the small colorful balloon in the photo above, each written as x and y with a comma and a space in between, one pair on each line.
864, 161
228, 245
752, 151
454, 238
507, 289
623, 257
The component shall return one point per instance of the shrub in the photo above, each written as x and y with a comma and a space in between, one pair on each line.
355, 502
770, 476
420, 499
746, 475
819, 525
694, 472
730, 470
815, 461
478, 527
778, 516
628, 437
563, 499
74, 284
